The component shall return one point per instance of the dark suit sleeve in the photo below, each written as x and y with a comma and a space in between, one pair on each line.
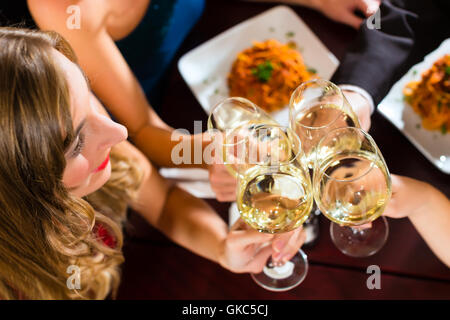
377, 58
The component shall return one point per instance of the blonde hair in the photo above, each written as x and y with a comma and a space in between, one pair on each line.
43, 228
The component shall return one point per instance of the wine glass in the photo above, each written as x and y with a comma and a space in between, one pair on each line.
352, 186
315, 108
229, 122
274, 196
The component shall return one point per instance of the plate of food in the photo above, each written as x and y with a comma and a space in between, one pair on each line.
262, 59
419, 106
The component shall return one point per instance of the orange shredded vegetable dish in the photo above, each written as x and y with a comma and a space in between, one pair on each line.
430, 97
267, 74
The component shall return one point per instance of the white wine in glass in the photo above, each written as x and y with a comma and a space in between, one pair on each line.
317, 107
352, 187
275, 196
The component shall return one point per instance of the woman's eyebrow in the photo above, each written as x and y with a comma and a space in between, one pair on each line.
80, 126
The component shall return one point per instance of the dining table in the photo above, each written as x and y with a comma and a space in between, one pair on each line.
157, 268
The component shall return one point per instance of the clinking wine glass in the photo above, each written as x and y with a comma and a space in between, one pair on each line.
275, 196
230, 121
352, 187
315, 108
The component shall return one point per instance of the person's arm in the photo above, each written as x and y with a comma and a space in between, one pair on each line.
111, 78
191, 223
427, 208
339, 10
377, 58
433, 224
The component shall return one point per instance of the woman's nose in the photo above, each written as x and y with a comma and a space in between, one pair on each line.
111, 132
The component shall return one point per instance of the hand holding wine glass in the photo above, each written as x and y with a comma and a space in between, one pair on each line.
222, 182
247, 250
274, 196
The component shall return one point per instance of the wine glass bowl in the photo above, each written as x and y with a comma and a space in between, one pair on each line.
274, 192
352, 187
315, 108
230, 123
233, 112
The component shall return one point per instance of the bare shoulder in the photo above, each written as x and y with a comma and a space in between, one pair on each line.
55, 15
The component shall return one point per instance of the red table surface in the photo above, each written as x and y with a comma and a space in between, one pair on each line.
155, 268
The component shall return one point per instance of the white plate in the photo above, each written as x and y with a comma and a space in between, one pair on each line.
205, 68
433, 144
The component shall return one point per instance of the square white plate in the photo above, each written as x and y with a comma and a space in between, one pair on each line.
205, 68
433, 144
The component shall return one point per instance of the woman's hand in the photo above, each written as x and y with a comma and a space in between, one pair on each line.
222, 182
286, 245
338, 10
408, 197
247, 250
344, 10
427, 208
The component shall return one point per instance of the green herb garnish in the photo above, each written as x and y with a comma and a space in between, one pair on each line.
418, 126
263, 71
447, 70
216, 91
444, 129
312, 70
272, 29
414, 72
439, 105
290, 34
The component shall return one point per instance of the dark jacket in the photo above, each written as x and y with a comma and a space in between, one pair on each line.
377, 58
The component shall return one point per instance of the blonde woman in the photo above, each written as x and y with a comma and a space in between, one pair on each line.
68, 174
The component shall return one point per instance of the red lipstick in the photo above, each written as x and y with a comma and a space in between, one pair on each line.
103, 165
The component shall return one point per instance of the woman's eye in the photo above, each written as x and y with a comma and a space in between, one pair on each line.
79, 146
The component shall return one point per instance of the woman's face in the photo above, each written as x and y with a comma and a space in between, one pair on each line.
88, 167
